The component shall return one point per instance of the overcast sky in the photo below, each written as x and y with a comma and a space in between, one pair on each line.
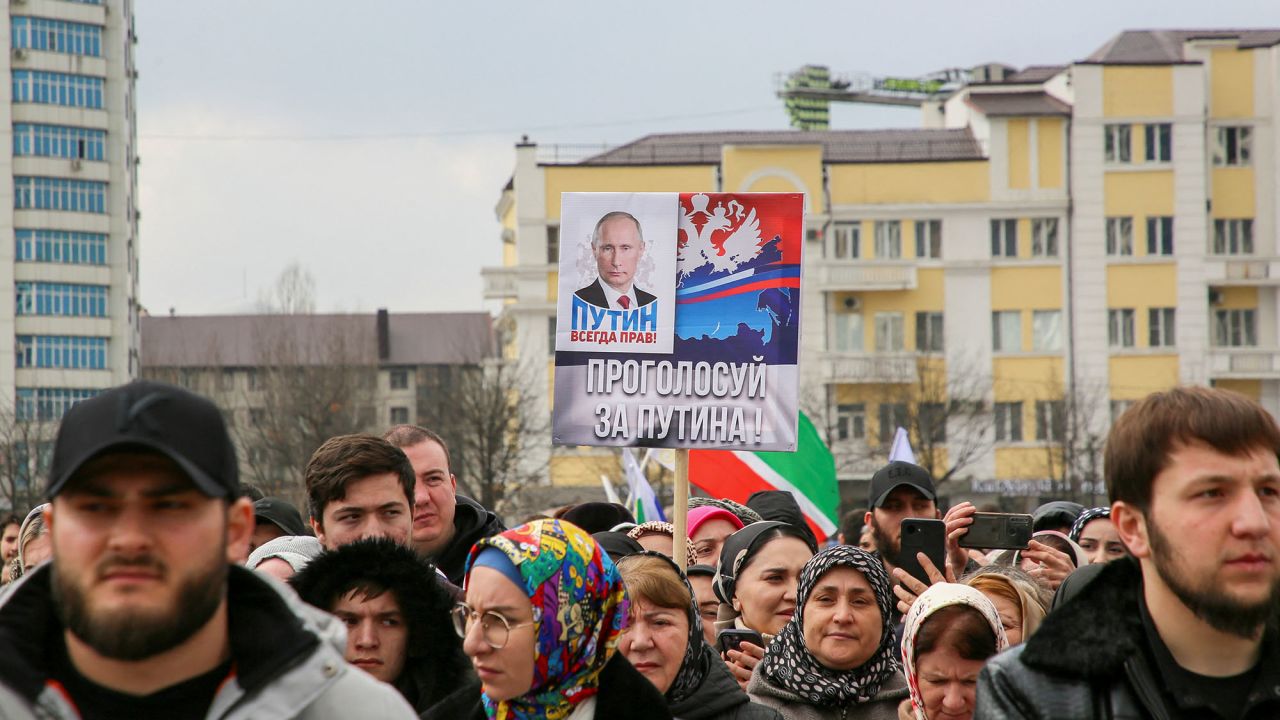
369, 140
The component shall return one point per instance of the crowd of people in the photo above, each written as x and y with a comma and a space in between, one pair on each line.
154, 584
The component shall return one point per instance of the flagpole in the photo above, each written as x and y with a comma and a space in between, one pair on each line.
680, 513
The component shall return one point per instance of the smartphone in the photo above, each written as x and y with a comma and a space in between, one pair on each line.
998, 531
926, 536
730, 639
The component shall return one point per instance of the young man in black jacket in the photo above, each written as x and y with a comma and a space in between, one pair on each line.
445, 524
1187, 628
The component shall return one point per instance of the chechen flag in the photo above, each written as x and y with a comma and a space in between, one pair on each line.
809, 474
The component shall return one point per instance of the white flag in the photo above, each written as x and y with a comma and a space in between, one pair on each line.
645, 506
902, 448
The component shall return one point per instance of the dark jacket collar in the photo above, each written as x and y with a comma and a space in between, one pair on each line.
471, 523
1094, 633
718, 693
266, 637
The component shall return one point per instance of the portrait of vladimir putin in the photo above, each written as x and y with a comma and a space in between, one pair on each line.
617, 245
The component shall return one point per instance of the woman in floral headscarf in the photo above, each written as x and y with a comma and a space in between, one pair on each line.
836, 657
947, 636
544, 609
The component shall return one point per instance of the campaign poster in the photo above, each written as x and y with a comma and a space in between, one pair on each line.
617, 272
731, 378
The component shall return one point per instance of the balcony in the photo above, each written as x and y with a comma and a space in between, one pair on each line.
517, 281
1244, 363
863, 275
1241, 271
874, 368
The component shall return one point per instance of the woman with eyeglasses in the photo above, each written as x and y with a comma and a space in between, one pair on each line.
544, 611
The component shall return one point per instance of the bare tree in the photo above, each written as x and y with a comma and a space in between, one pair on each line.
494, 420
1075, 436
943, 409
26, 442
314, 377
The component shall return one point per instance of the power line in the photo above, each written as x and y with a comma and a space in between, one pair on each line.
347, 137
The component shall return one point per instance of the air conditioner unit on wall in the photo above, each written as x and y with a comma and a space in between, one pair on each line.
76, 163
19, 53
852, 304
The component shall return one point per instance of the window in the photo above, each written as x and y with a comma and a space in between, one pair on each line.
1159, 141
61, 351
892, 417
553, 244
1117, 143
1233, 237
51, 88
889, 332
1160, 323
1006, 331
1004, 238
60, 246
1046, 330
257, 417
1119, 236
847, 333
66, 299
1008, 422
1232, 145
227, 380
551, 335
851, 421
1044, 237
1234, 328
1160, 235
929, 332
1118, 408
37, 33
929, 239
1120, 328
1051, 417
846, 241
932, 418
399, 379
888, 239
46, 193
251, 378
59, 141
48, 403
399, 416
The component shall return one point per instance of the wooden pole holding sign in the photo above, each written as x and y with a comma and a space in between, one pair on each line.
680, 511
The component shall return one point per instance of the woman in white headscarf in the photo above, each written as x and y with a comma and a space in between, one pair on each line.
947, 637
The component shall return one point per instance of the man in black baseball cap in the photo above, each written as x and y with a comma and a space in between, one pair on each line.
141, 612
899, 490
275, 517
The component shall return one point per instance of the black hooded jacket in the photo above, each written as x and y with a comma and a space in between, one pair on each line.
436, 665
1091, 660
720, 698
471, 524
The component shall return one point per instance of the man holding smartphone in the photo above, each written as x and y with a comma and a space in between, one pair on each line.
899, 490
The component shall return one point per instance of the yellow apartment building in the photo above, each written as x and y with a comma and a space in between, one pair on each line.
1041, 252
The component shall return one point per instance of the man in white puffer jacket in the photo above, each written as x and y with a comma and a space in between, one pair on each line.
141, 613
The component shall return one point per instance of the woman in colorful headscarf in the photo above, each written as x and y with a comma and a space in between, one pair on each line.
947, 636
756, 585
1095, 534
544, 610
836, 658
664, 641
661, 537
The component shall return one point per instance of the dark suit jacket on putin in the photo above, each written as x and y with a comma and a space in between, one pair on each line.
594, 294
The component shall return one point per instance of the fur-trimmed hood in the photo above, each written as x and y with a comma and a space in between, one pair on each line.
1094, 633
436, 664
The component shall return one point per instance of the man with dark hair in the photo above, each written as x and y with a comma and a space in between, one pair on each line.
275, 517
445, 524
397, 617
1187, 626
617, 243
359, 486
851, 527
140, 613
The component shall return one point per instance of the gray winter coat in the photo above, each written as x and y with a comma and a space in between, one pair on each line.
884, 706
288, 658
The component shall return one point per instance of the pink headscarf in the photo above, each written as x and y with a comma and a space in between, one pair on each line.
932, 600
700, 515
